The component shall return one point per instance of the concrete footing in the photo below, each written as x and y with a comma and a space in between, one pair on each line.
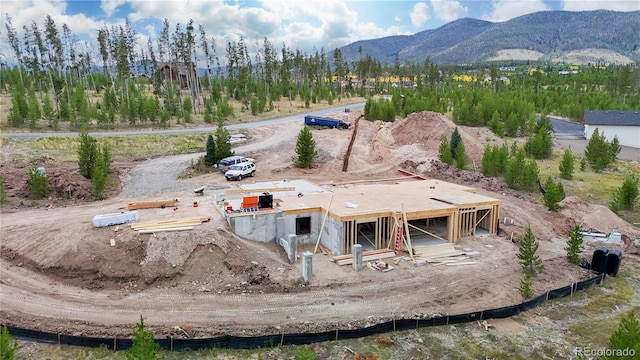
357, 257
307, 266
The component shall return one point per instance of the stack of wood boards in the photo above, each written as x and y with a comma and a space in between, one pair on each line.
152, 204
366, 256
441, 254
149, 227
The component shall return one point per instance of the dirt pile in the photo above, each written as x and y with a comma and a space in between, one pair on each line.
427, 129
593, 217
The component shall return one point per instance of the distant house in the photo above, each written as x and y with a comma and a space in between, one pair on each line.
176, 72
623, 124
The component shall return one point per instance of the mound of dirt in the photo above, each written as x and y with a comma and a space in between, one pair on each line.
593, 217
427, 129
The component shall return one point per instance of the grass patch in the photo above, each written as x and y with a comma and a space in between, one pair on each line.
596, 188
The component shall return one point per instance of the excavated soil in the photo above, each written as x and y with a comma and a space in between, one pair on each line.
58, 273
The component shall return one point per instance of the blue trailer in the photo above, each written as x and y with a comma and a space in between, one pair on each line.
324, 121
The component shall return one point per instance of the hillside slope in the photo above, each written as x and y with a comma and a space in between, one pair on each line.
552, 33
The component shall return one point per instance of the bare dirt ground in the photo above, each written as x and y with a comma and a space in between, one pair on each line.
60, 274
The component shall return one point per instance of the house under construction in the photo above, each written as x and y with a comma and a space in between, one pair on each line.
366, 214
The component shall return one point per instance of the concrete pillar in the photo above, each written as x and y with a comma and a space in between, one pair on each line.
293, 247
307, 266
279, 226
357, 257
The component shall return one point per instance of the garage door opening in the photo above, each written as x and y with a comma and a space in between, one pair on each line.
429, 231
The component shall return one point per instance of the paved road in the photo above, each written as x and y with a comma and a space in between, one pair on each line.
566, 130
296, 117
571, 136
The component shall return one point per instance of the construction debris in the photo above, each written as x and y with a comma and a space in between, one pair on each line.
380, 265
149, 227
124, 217
442, 254
154, 231
152, 204
366, 256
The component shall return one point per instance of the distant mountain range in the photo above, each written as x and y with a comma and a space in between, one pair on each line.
571, 37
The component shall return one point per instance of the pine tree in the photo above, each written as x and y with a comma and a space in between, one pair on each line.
7, 346
614, 148
574, 245
525, 286
530, 175
48, 112
460, 155
626, 196
210, 156
488, 162
306, 152
530, 262
597, 152
627, 336
222, 141
566, 165
187, 106
455, 140
445, 152
554, 193
86, 154
514, 170
3, 191
38, 184
106, 156
144, 347
99, 177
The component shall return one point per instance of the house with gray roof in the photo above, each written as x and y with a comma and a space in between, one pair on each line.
623, 124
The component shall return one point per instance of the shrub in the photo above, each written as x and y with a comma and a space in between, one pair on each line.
38, 184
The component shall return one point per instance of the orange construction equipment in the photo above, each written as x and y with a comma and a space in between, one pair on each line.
249, 203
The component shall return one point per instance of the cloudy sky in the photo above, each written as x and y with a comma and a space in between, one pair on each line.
301, 24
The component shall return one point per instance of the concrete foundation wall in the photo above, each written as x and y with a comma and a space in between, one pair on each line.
316, 221
258, 226
332, 235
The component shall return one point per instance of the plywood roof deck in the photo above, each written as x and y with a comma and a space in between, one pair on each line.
426, 198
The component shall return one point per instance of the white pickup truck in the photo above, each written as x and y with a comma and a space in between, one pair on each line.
237, 172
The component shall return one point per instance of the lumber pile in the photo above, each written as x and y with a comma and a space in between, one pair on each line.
441, 254
149, 227
152, 204
366, 256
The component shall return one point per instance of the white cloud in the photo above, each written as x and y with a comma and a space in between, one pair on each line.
584, 5
397, 19
503, 10
448, 10
420, 14
110, 6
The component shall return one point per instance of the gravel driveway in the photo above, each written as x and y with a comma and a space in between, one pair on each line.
158, 176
